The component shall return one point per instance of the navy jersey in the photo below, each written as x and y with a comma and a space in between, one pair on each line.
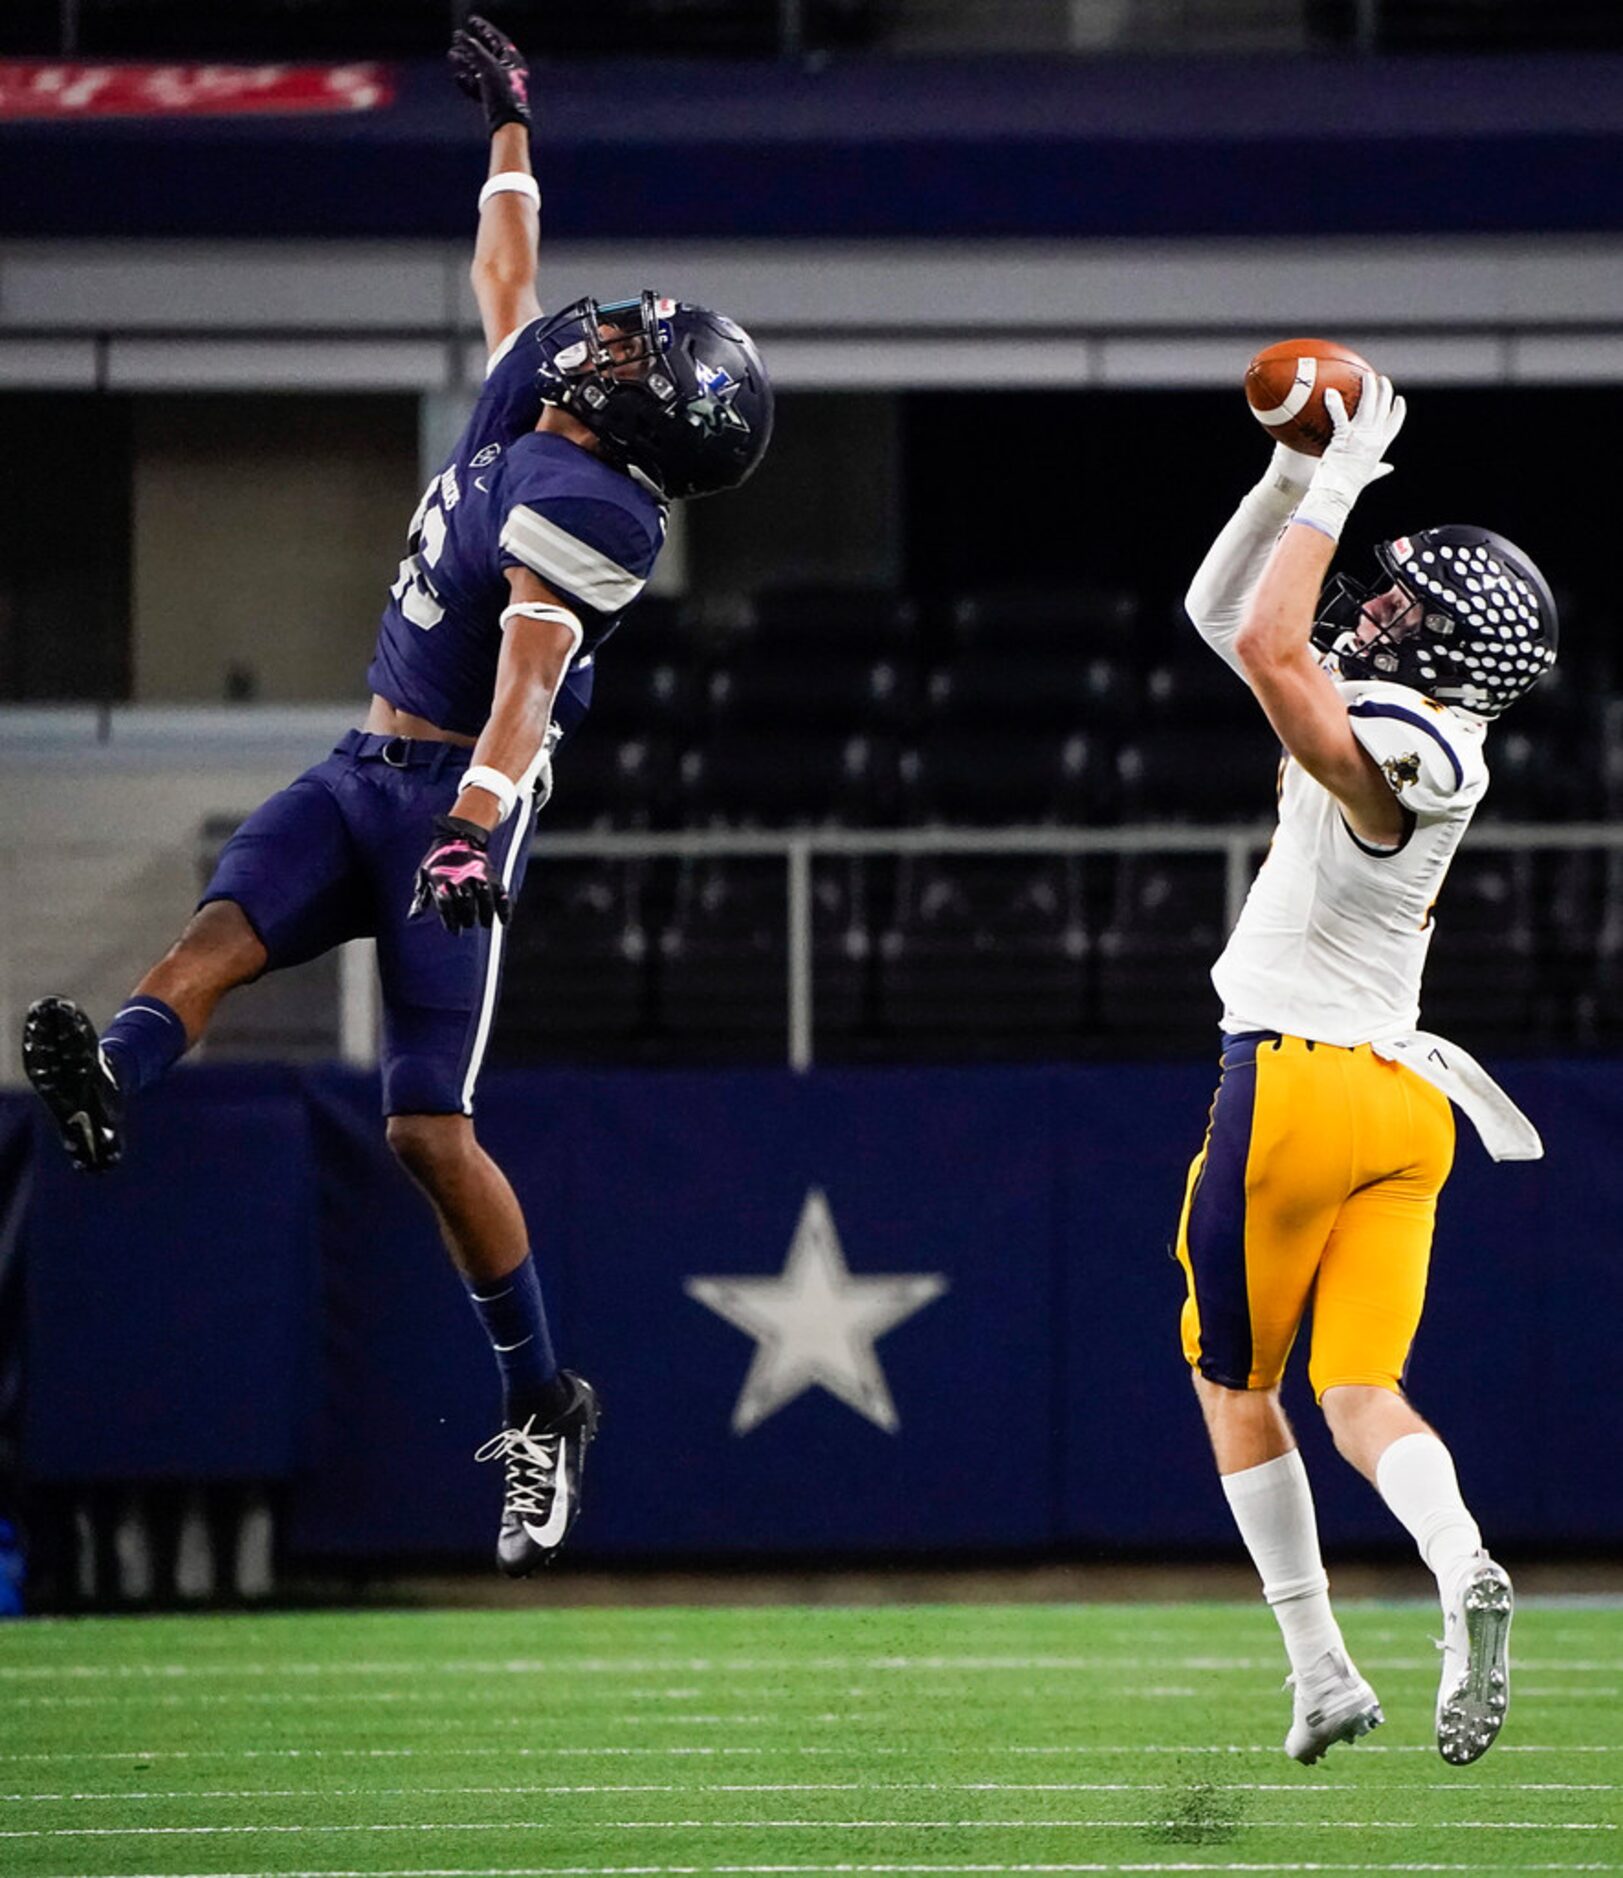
509, 496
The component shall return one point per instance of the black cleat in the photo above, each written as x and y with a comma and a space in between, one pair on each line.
544, 1467
63, 1061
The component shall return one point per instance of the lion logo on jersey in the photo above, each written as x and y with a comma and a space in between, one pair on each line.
1400, 771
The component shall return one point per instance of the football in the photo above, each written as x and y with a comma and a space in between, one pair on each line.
1285, 386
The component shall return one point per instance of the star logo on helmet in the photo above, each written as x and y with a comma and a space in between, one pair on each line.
713, 409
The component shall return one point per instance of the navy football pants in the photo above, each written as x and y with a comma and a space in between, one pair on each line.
334, 857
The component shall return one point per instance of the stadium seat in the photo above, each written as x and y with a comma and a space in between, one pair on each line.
723, 965
643, 697
1199, 775
576, 979
779, 779
853, 621
1570, 894
1035, 690
1597, 962
1481, 973
1064, 619
797, 689
1546, 757
988, 777
1154, 956
1197, 692
985, 952
600, 781
659, 627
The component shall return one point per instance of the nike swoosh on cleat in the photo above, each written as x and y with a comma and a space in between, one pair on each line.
558, 1518
87, 1130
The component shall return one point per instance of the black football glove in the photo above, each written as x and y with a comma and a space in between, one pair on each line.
457, 879
488, 67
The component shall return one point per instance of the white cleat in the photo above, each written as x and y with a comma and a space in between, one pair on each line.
1332, 1703
1475, 1689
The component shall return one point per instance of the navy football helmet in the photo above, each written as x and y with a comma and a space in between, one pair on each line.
675, 394
1480, 628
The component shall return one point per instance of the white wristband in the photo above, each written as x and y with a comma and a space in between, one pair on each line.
1326, 508
511, 182
493, 782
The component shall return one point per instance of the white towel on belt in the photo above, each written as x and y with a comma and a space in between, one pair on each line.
1506, 1132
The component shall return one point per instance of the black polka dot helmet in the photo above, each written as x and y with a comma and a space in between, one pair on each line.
1480, 632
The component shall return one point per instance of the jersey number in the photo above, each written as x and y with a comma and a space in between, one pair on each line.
413, 588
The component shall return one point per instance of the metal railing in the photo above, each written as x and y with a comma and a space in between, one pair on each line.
797, 852
1238, 846
115, 905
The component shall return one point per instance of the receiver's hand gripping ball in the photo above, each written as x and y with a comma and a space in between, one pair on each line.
1285, 386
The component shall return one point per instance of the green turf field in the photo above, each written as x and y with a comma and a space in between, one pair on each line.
896, 1739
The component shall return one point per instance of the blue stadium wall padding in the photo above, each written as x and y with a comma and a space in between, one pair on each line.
259, 1291
16, 1159
872, 148
172, 1306
709, 1175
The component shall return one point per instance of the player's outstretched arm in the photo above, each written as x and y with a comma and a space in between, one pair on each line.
489, 68
1228, 576
1273, 646
457, 876
1302, 703
540, 637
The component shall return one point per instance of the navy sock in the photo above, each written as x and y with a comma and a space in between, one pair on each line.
515, 1321
143, 1042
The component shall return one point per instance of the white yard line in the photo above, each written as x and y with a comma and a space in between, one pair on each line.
785, 1751
724, 1665
763, 1871
787, 1825
428, 1698
1317, 1791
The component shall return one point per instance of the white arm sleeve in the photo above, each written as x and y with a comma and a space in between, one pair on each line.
1225, 581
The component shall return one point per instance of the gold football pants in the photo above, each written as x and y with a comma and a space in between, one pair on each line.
1318, 1180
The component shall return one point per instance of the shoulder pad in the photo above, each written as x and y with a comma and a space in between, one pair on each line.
1431, 756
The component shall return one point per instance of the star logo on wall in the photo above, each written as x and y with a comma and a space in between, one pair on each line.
815, 1325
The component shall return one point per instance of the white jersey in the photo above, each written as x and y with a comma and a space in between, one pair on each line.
1333, 938
1334, 934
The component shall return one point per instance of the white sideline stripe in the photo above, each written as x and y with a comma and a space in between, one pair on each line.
791, 1825
867, 1751
741, 1665
785, 1786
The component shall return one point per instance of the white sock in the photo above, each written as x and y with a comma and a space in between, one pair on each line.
1273, 1508
1415, 1477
